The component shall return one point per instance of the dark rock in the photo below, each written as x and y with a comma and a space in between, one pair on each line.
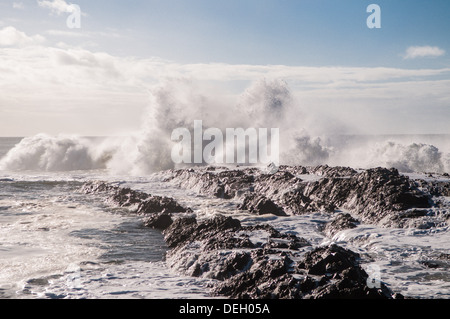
339, 223
435, 188
333, 272
413, 213
331, 259
123, 197
338, 171
180, 231
373, 195
159, 221
234, 264
434, 264
185, 229
440, 261
224, 184
261, 205
266, 271
294, 170
127, 197
156, 204
228, 240
259, 261
276, 239
140, 202
342, 276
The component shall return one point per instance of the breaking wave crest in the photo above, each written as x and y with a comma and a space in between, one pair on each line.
47, 153
178, 103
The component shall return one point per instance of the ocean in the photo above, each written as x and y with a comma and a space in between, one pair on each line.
57, 242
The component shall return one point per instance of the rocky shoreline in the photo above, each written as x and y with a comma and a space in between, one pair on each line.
280, 264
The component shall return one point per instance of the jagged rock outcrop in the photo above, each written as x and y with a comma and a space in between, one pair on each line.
159, 220
120, 196
217, 182
325, 273
435, 188
220, 248
332, 171
339, 223
378, 196
375, 195
261, 205
139, 202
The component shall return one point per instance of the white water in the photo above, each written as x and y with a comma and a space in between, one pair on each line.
265, 104
55, 243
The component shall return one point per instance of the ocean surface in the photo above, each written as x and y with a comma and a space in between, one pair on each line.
56, 242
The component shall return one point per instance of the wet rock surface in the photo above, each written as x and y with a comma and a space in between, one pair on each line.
217, 182
123, 197
435, 188
259, 261
326, 272
378, 196
341, 222
220, 249
159, 220
139, 202
261, 205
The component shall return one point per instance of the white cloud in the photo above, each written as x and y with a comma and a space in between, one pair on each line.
62, 83
71, 34
11, 37
84, 34
18, 5
423, 52
57, 6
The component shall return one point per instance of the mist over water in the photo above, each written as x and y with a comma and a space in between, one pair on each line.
265, 104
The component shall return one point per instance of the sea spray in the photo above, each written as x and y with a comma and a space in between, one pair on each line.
392, 151
231, 147
306, 150
178, 103
415, 157
265, 103
53, 153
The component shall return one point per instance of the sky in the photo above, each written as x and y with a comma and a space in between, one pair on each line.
90, 73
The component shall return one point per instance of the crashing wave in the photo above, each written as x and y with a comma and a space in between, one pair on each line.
178, 103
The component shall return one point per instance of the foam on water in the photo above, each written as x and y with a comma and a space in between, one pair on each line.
401, 256
57, 243
132, 280
35, 240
